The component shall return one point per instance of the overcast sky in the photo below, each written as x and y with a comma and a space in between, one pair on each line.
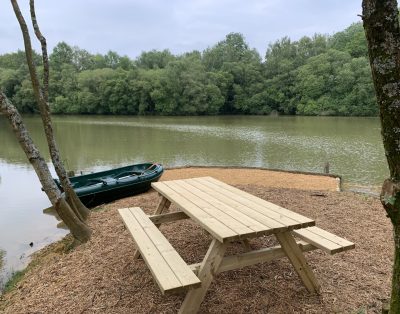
132, 26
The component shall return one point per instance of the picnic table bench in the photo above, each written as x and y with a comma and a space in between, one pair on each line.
227, 214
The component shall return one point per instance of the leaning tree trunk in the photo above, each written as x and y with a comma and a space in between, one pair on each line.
79, 229
42, 98
381, 24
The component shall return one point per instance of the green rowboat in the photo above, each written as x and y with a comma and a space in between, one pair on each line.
105, 186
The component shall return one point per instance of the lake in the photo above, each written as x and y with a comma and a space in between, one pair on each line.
352, 146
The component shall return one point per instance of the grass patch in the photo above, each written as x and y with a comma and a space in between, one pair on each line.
14, 280
43, 256
63, 246
99, 208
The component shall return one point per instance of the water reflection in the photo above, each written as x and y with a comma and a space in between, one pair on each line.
351, 145
22, 221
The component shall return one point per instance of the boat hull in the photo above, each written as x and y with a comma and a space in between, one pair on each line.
106, 186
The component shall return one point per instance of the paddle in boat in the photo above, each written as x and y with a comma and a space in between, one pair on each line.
105, 186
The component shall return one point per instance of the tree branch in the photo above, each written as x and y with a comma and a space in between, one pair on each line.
30, 149
28, 53
45, 58
41, 95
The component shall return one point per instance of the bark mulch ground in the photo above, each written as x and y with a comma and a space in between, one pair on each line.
102, 277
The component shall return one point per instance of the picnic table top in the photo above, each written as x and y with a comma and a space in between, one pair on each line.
226, 212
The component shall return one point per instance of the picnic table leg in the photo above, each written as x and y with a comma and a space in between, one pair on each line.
164, 204
208, 268
296, 257
246, 244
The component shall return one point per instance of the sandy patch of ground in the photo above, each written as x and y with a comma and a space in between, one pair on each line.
102, 277
260, 177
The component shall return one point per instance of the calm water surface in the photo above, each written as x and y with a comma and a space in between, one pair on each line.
352, 146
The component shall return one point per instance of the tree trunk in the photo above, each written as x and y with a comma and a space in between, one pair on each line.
41, 96
79, 230
381, 24
395, 300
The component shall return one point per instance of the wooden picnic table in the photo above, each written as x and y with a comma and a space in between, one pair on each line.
227, 214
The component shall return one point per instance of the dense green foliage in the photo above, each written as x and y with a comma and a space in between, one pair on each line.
322, 75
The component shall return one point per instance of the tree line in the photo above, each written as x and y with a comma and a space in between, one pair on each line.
318, 75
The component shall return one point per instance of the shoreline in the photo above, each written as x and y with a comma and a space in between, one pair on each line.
105, 262
332, 175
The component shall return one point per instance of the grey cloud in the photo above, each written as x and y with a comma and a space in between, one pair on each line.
130, 27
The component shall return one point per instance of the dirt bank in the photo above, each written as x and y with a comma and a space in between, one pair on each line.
101, 276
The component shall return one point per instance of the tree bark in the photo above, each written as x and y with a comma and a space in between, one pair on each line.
395, 300
79, 230
41, 96
381, 24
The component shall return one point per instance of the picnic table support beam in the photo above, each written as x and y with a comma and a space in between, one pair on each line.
164, 204
296, 257
168, 217
209, 267
253, 257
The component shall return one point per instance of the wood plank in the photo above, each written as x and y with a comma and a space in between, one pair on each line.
217, 229
330, 236
208, 268
271, 225
246, 244
265, 216
296, 257
168, 217
200, 200
167, 267
324, 240
245, 200
163, 205
162, 274
253, 257
273, 207
208, 195
173, 259
318, 241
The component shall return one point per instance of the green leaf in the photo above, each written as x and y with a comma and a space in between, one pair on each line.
390, 200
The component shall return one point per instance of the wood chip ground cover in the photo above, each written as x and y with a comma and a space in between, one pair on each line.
102, 277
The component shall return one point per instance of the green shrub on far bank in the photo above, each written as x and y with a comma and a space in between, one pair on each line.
318, 75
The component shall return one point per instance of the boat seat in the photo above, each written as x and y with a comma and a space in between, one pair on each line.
127, 174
